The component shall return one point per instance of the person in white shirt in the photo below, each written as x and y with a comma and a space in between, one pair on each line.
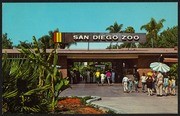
102, 78
143, 81
125, 83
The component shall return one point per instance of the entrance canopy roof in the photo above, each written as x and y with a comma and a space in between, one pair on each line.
108, 51
124, 53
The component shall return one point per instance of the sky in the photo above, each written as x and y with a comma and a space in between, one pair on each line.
21, 21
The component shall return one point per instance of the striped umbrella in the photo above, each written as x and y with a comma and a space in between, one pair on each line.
158, 66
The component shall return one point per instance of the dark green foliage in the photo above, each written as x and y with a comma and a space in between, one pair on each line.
174, 71
84, 99
20, 91
168, 38
32, 85
6, 43
25, 44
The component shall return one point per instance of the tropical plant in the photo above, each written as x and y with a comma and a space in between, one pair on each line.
6, 43
129, 29
153, 28
174, 70
20, 91
25, 44
48, 73
35, 81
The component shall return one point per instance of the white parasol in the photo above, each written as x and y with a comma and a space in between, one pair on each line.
158, 66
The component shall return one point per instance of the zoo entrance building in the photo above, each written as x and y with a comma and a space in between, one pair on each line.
124, 61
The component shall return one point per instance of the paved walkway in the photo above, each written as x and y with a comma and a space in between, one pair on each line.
126, 103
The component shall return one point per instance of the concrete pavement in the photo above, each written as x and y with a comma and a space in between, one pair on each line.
126, 103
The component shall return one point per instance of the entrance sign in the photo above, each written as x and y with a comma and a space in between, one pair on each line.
103, 37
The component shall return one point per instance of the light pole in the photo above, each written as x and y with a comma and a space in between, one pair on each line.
88, 45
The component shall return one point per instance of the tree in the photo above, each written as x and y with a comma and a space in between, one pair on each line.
153, 27
129, 29
174, 71
25, 44
116, 28
47, 40
168, 38
6, 43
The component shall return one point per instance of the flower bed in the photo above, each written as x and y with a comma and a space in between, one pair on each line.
76, 106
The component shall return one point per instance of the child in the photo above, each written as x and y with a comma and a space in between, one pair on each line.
136, 85
173, 92
165, 84
130, 85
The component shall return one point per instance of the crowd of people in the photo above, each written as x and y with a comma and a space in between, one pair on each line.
102, 76
154, 83
98, 76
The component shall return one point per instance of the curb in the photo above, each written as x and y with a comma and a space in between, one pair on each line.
102, 107
109, 108
106, 108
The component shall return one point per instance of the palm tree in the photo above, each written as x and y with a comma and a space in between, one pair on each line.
116, 28
152, 28
129, 29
